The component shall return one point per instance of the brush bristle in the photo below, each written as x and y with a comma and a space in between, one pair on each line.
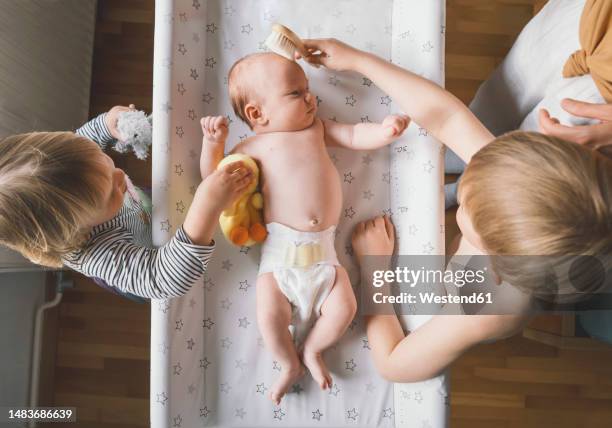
281, 45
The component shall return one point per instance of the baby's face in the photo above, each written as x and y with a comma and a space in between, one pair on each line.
283, 94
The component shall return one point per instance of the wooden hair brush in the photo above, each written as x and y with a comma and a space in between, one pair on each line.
285, 42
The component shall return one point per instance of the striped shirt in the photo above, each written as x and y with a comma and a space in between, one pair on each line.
120, 252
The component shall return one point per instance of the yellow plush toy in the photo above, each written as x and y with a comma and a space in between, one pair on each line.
242, 223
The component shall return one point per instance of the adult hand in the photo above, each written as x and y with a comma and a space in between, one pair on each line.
595, 136
331, 53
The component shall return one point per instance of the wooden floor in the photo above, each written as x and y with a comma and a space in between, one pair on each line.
103, 353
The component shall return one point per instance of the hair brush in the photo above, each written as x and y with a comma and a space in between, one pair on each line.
285, 42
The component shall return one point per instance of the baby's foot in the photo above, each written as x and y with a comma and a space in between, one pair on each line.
285, 380
314, 362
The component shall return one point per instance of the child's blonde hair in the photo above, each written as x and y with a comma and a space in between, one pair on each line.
529, 194
49, 194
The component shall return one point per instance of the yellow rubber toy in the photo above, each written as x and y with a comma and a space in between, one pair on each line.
242, 223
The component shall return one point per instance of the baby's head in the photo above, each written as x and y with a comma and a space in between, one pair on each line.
270, 93
54, 187
529, 194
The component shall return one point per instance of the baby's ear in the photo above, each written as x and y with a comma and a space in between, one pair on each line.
254, 115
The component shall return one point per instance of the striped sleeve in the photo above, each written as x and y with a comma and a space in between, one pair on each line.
156, 273
96, 131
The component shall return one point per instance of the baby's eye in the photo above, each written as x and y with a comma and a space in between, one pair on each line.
295, 93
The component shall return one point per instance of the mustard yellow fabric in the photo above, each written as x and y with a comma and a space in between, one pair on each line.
595, 57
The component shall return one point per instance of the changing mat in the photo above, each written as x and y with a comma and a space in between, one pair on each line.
208, 364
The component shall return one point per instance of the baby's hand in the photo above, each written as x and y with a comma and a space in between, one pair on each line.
215, 129
374, 237
111, 119
394, 126
225, 185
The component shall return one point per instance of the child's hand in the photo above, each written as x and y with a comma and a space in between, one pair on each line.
215, 129
331, 53
111, 119
394, 125
374, 237
225, 185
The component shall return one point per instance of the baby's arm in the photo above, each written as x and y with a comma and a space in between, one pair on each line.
426, 103
365, 136
215, 132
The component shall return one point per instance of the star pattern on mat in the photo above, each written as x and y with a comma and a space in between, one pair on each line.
317, 415
333, 80
297, 388
352, 414
244, 285
226, 304
196, 4
428, 47
210, 62
181, 88
240, 364
349, 212
182, 49
348, 177
385, 100
204, 412
370, 387
207, 323
166, 226
177, 369
351, 100
204, 363
388, 413
178, 169
191, 114
179, 325
225, 388
350, 365
193, 73
243, 322
366, 82
246, 29
227, 265
190, 344
366, 344
368, 194
162, 398
279, 414
261, 388
179, 131
240, 413
226, 343
207, 97
334, 390
366, 159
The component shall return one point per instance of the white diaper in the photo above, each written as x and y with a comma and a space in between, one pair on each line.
304, 267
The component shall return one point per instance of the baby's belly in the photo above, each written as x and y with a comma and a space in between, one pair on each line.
308, 205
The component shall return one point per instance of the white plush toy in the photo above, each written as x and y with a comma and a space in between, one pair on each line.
135, 128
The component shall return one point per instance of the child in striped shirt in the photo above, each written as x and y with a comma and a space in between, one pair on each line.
63, 202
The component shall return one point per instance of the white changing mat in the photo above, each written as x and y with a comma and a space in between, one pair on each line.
208, 363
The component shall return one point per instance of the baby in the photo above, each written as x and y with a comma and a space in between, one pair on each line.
300, 278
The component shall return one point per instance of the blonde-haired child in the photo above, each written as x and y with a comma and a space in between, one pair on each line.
522, 194
63, 202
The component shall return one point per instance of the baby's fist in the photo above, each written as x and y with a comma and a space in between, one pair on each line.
394, 125
214, 128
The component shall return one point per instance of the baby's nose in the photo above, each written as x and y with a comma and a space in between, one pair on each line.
308, 97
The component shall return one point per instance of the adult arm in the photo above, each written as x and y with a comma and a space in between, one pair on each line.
426, 103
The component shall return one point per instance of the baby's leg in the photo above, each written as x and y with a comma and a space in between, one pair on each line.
337, 312
274, 317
